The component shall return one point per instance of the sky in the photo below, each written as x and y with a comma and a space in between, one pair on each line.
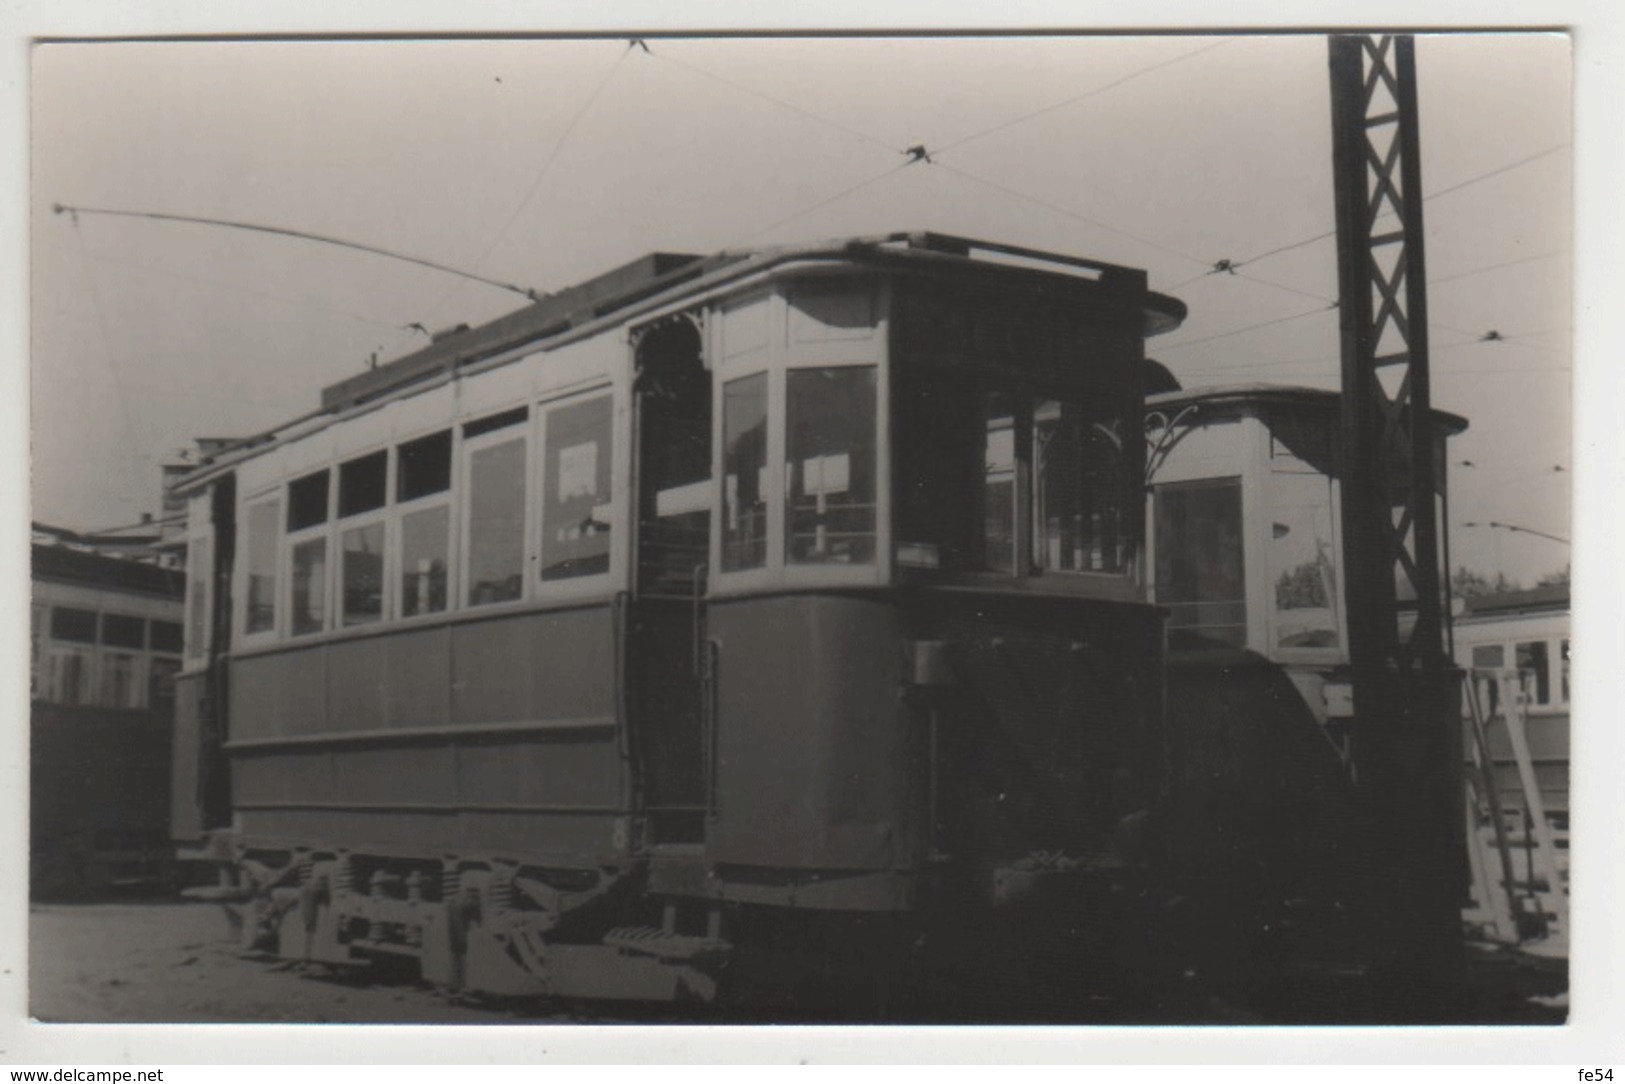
543, 162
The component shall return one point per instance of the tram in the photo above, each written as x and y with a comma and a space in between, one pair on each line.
774, 613
1245, 525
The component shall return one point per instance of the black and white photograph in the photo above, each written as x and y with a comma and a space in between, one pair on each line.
859, 528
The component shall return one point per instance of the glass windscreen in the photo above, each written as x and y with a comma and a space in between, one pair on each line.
830, 466
996, 478
1201, 574
744, 469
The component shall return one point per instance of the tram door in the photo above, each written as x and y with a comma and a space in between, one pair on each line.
665, 616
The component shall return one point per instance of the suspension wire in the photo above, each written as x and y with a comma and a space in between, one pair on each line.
547, 163
825, 202
1249, 327
1057, 208
1495, 172
303, 235
766, 97
1457, 187
1492, 267
946, 147
1288, 289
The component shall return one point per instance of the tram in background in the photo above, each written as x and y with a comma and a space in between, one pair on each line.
105, 648
1245, 527
727, 621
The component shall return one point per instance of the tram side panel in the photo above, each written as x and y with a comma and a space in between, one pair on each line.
490, 736
810, 765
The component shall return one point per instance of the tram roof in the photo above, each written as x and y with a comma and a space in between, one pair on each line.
664, 278
1237, 395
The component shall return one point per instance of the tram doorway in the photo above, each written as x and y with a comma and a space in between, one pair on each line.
665, 615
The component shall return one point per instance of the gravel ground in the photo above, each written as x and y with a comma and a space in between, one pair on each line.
161, 961
170, 961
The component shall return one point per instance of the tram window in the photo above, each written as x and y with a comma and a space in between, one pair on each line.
423, 560
165, 636
999, 485
1534, 671
492, 423
1079, 511
992, 479
120, 687
744, 468
78, 626
1564, 661
496, 522
123, 630
830, 457
361, 484
1490, 659
362, 574
423, 467
307, 501
261, 557
1200, 571
309, 586
577, 514
1302, 558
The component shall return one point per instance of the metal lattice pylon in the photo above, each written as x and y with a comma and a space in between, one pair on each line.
1391, 478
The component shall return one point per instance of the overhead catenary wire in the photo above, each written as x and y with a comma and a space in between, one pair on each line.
1068, 212
1492, 267
1448, 190
1075, 99
825, 202
552, 156
808, 114
1250, 327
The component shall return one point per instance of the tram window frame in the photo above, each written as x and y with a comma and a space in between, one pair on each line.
424, 485
1533, 661
351, 577
515, 427
797, 467
365, 482
1001, 415
762, 556
1183, 636
315, 531
261, 513
1285, 468
1563, 669
550, 468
